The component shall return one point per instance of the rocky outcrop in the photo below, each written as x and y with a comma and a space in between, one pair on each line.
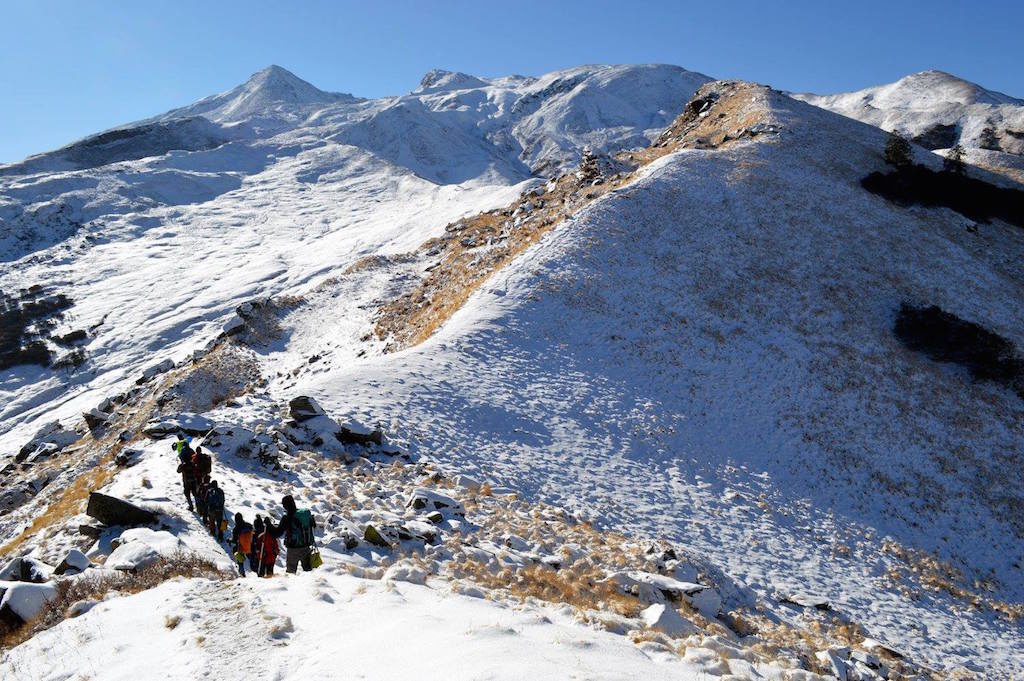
113, 511
73, 563
303, 408
189, 424
25, 569
423, 498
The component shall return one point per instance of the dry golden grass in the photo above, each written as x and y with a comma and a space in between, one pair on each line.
583, 589
937, 575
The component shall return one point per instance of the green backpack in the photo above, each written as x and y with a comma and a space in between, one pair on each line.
301, 533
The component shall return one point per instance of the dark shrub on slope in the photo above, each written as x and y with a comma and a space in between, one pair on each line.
946, 338
973, 198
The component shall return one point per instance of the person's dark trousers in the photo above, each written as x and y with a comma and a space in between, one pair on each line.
297, 554
215, 519
190, 491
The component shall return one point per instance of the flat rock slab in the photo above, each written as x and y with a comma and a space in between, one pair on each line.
113, 511
189, 424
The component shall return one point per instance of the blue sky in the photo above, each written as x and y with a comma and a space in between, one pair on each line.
71, 68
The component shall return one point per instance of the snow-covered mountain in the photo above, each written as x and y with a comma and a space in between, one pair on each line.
675, 368
938, 110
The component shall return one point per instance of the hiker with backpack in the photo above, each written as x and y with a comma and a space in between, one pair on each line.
254, 555
241, 542
202, 491
215, 510
203, 463
187, 470
296, 527
268, 550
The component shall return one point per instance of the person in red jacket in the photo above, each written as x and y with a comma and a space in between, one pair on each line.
269, 549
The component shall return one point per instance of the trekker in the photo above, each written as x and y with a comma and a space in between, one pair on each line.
241, 542
203, 463
188, 473
268, 550
296, 527
254, 552
215, 510
202, 491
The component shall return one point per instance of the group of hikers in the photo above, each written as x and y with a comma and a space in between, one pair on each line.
257, 543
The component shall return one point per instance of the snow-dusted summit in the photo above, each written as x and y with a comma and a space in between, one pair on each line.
939, 110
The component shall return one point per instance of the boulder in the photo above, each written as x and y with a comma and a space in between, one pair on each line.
127, 457
415, 529
23, 601
303, 408
423, 498
155, 370
52, 435
806, 600
373, 535
139, 548
352, 435
189, 424
96, 419
233, 326
132, 556
113, 511
707, 601
93, 531
664, 618
25, 569
74, 562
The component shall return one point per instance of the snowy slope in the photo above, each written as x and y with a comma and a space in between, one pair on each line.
939, 110
703, 355
707, 355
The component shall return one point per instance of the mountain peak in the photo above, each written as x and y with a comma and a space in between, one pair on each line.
440, 79
277, 84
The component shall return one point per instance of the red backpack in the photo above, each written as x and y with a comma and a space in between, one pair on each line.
270, 548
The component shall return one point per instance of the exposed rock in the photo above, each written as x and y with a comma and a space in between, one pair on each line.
707, 601
415, 529
93, 531
74, 562
155, 370
96, 419
25, 569
303, 408
353, 435
23, 601
804, 600
421, 498
52, 436
189, 424
373, 535
113, 511
832, 659
127, 457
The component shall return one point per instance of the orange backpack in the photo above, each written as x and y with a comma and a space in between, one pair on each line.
245, 542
